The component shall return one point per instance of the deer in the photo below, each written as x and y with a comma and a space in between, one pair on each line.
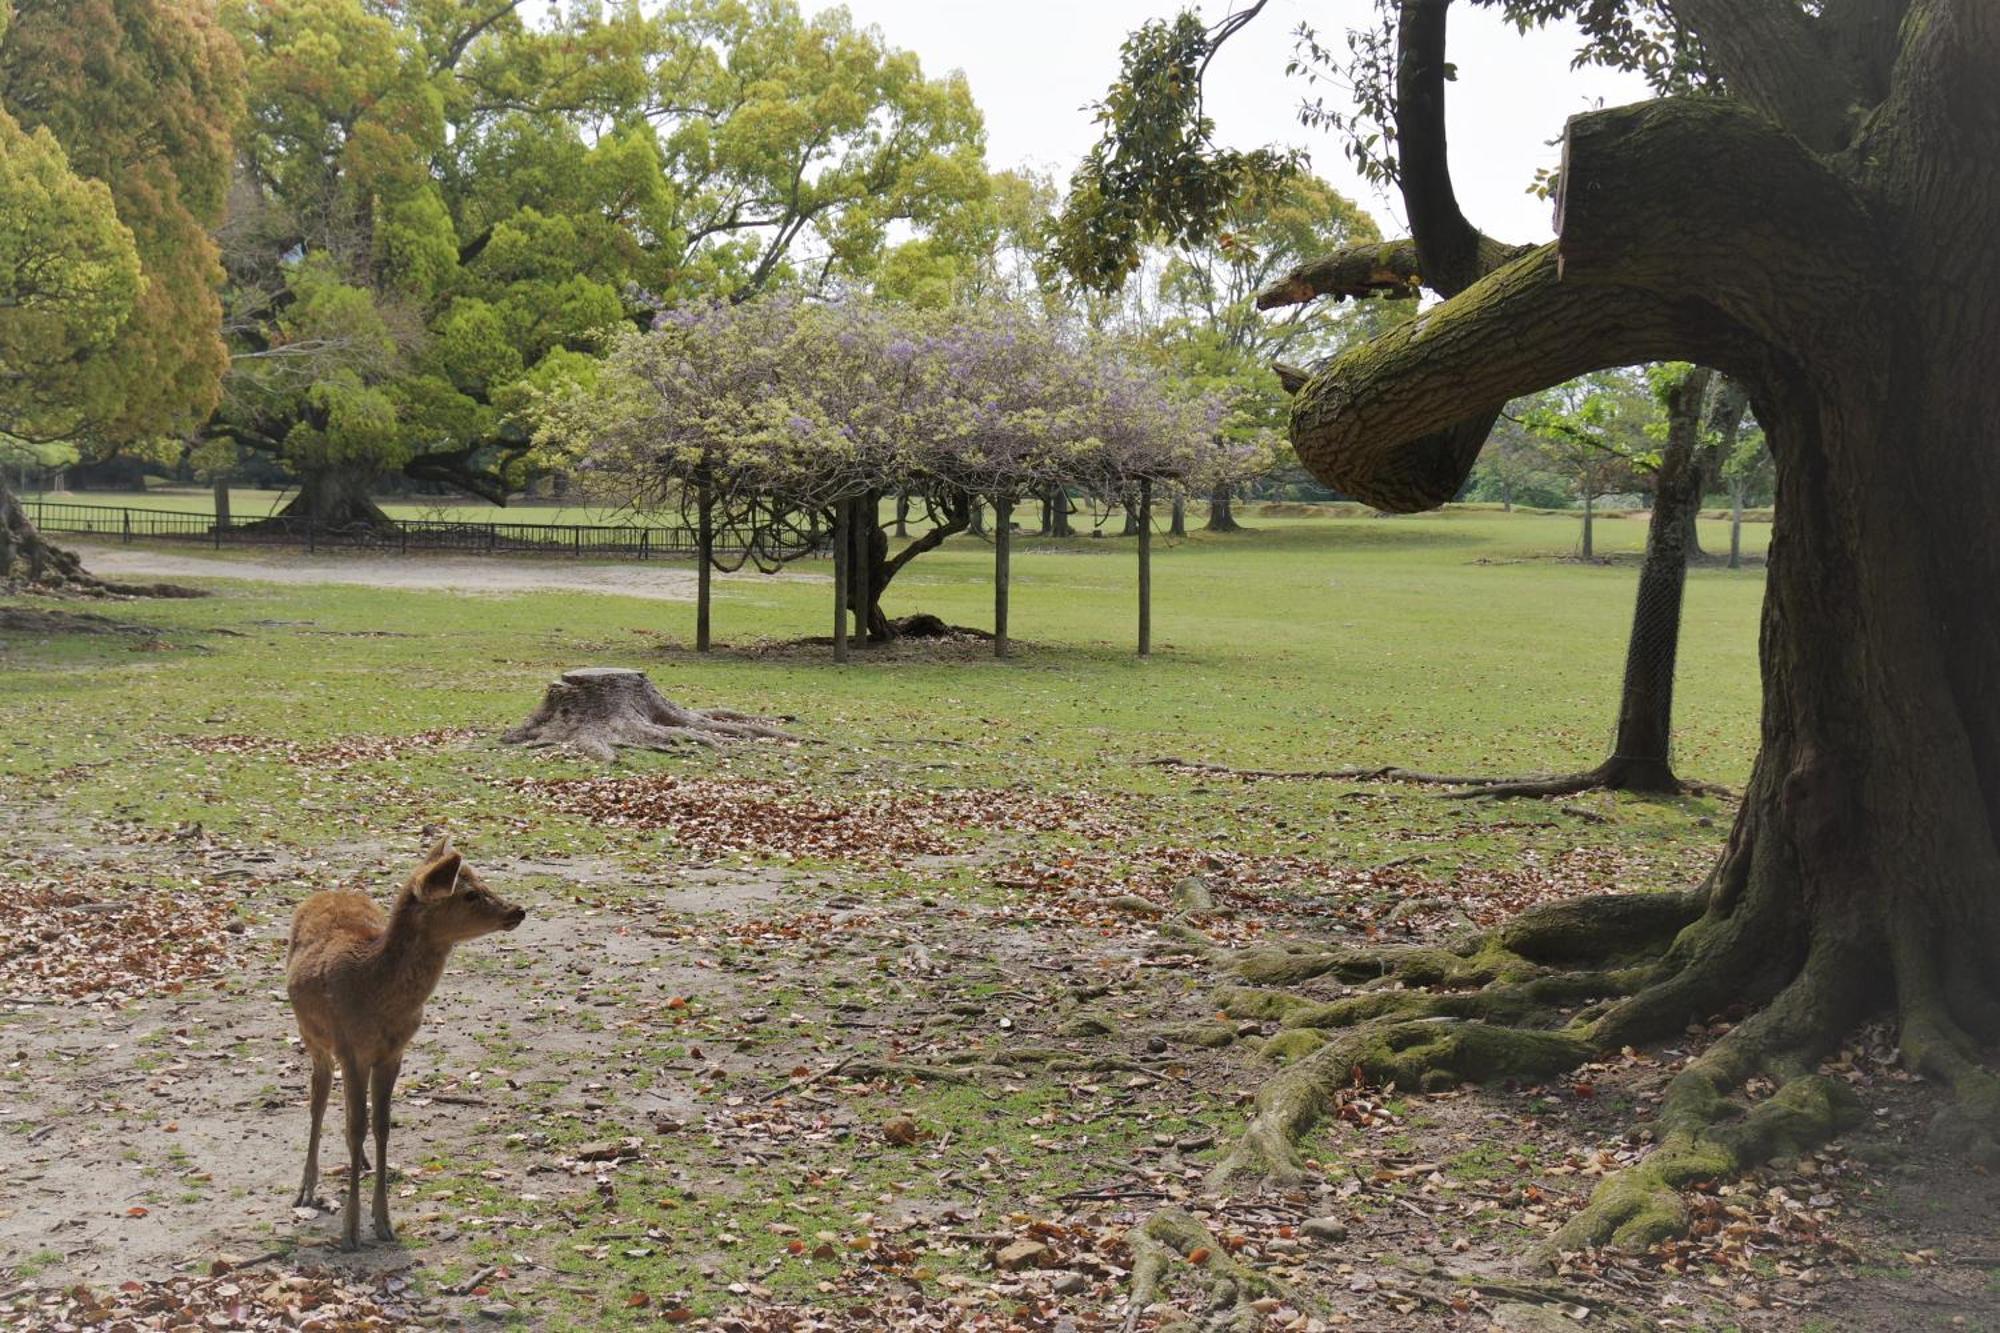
358, 981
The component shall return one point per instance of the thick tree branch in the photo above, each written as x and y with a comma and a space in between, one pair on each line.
1771, 56
1697, 197
1398, 422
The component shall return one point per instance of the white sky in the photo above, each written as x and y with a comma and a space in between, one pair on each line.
1034, 64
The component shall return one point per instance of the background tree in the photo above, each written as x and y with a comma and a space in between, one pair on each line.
471, 196
1595, 434
114, 151
1208, 318
1855, 131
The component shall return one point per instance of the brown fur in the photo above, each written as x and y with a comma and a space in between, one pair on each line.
358, 982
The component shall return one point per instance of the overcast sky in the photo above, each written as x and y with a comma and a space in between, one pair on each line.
1034, 64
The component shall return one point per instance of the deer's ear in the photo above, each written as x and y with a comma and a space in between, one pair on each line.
439, 876
438, 848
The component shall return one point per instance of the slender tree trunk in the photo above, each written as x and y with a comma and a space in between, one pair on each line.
1145, 520
978, 527
1221, 517
1641, 758
704, 554
902, 515
1047, 528
843, 555
222, 502
1003, 550
1736, 524
1589, 546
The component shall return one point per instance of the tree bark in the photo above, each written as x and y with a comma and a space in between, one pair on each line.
1641, 757
1221, 517
1003, 549
1857, 297
1178, 526
902, 515
30, 560
1736, 524
1060, 525
843, 555
222, 503
1589, 541
1144, 515
704, 555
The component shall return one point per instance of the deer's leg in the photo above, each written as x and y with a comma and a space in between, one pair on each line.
354, 1084
322, 1084
382, 1083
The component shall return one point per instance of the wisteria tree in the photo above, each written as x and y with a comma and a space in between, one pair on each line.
774, 424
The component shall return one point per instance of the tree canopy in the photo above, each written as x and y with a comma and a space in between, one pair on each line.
436, 210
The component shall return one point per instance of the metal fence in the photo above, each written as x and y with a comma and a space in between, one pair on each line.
124, 524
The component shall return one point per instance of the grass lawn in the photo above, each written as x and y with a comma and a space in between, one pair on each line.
946, 911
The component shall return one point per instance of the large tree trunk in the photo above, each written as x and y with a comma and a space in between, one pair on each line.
1221, 516
1178, 527
329, 501
1857, 296
28, 559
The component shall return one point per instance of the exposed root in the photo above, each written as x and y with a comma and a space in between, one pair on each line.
1232, 1286
1707, 1136
595, 710
1611, 775
1611, 928
1938, 1046
1429, 1054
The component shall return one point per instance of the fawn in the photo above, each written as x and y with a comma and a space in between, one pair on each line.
358, 982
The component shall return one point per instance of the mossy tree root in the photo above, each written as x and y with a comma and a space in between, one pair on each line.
1171, 1233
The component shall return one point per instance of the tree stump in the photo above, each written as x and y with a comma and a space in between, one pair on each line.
593, 710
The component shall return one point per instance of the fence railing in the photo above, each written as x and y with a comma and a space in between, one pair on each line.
126, 524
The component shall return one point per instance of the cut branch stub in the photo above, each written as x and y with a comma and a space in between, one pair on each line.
594, 710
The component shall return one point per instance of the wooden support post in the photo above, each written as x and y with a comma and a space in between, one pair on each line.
704, 555
841, 553
1146, 567
1003, 549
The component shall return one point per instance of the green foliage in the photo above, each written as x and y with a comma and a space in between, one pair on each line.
1156, 177
501, 191
1596, 433
139, 95
69, 279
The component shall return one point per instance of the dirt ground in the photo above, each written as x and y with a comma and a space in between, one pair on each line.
804, 1096
661, 582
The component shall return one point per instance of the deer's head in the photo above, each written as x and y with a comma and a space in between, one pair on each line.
454, 903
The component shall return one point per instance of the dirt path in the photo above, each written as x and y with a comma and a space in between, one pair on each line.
671, 583
928, 1078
